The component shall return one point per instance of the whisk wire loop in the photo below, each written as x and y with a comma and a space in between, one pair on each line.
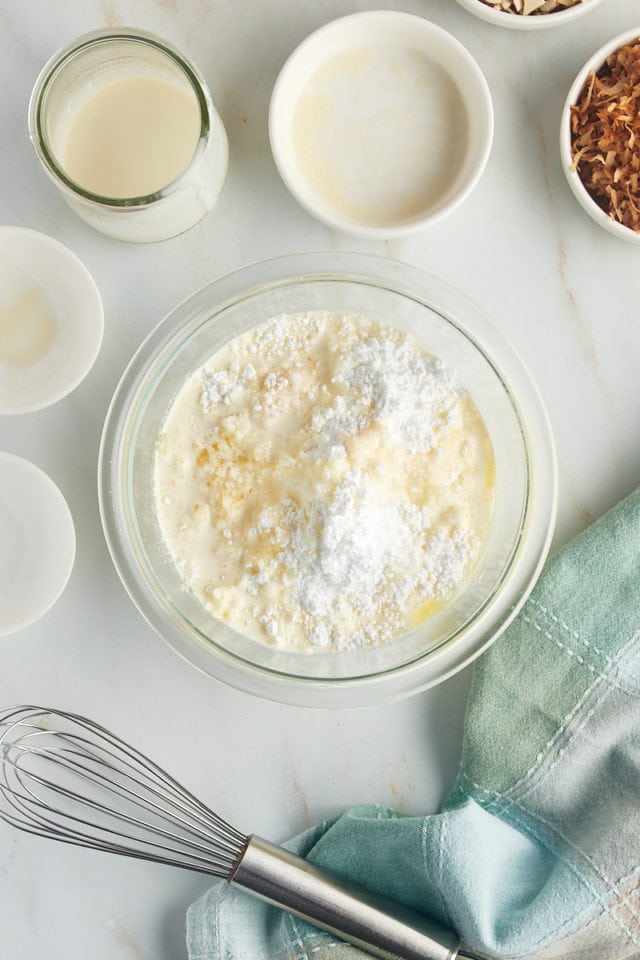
96, 791
65, 777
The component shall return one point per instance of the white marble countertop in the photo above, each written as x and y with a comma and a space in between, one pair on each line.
561, 289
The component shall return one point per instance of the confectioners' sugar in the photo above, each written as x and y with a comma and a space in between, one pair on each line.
407, 390
323, 483
340, 553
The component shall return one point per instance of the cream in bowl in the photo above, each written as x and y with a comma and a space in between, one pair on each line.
322, 483
380, 123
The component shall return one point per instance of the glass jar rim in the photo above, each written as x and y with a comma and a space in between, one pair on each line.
47, 77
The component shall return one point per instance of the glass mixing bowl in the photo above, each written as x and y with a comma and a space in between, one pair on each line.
444, 323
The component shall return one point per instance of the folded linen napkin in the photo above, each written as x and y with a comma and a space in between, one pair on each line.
536, 852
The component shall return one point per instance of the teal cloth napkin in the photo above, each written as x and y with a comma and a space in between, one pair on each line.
536, 852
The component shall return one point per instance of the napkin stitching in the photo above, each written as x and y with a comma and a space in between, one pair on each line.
540, 836
449, 908
566, 746
621, 903
610, 661
217, 943
296, 941
297, 944
505, 801
427, 868
612, 888
530, 829
602, 912
628, 876
571, 740
562, 729
610, 884
558, 734
579, 658
572, 633
562, 933
571, 653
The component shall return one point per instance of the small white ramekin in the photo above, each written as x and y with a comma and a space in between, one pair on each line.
516, 21
37, 543
32, 262
371, 28
579, 190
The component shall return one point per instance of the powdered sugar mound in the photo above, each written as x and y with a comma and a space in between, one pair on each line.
286, 335
330, 425
359, 555
224, 386
346, 548
406, 389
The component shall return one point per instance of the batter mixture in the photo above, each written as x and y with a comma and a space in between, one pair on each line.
322, 482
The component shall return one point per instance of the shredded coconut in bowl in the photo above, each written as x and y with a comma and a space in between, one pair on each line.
605, 135
527, 8
323, 483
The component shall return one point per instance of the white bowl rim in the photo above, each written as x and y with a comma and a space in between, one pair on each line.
588, 204
38, 598
513, 21
485, 123
75, 275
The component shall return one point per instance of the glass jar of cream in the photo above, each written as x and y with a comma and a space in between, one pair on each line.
125, 127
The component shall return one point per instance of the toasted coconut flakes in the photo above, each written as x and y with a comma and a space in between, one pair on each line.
530, 8
605, 129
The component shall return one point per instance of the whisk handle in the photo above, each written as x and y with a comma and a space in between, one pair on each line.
377, 925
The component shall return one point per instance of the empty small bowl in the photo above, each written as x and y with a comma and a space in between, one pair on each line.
37, 543
380, 124
51, 320
532, 21
580, 192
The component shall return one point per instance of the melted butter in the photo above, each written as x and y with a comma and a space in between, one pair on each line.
425, 610
28, 327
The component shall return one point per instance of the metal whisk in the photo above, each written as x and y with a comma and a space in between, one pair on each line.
65, 777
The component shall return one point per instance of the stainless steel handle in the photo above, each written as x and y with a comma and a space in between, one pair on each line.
377, 925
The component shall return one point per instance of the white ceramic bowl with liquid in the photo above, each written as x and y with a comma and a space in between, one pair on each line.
380, 124
51, 320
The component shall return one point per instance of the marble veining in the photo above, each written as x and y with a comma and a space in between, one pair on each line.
563, 291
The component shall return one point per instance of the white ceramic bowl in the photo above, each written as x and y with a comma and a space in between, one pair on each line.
334, 161
37, 543
56, 341
515, 21
441, 321
573, 177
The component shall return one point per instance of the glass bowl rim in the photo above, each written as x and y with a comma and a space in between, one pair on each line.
530, 548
